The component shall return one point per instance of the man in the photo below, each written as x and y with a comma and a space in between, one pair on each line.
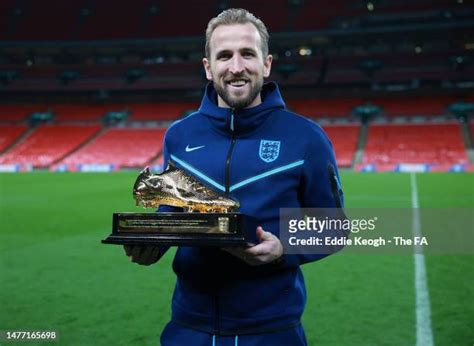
245, 143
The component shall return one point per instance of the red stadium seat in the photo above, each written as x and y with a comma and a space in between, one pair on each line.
123, 147
414, 105
344, 139
409, 143
161, 111
16, 113
80, 112
318, 108
10, 133
47, 144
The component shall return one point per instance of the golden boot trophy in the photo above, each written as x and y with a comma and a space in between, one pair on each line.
209, 218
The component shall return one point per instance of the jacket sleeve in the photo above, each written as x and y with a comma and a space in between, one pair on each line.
319, 188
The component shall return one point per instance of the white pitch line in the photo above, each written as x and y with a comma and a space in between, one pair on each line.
424, 333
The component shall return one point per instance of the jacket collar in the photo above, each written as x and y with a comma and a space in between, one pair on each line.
242, 121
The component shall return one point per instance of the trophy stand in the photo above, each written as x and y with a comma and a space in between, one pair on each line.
215, 224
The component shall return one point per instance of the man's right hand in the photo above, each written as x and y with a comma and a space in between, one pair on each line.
144, 255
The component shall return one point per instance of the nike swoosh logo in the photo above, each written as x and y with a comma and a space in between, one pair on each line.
188, 149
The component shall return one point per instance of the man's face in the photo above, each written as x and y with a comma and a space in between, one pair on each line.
236, 65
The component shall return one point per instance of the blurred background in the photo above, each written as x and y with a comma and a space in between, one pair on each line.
92, 85
391, 81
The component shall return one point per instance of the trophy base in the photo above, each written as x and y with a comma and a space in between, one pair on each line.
183, 229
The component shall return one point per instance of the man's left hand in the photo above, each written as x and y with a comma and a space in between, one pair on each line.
268, 250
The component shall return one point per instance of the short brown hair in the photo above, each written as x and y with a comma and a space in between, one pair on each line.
237, 16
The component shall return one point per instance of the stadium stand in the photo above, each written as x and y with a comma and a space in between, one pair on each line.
390, 106
414, 105
108, 19
161, 111
81, 112
9, 134
278, 21
122, 22
437, 144
18, 112
36, 20
385, 56
121, 147
321, 108
47, 144
6, 7
162, 18
313, 16
344, 139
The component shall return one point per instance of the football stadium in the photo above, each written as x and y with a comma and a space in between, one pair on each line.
88, 89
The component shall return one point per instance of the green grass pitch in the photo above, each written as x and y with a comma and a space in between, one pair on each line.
55, 274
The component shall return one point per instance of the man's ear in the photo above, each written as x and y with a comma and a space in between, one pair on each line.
207, 68
267, 66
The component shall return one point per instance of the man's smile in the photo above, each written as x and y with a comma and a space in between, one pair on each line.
237, 82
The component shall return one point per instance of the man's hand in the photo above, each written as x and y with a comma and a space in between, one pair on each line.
268, 250
144, 255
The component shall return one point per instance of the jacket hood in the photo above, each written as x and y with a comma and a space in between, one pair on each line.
241, 121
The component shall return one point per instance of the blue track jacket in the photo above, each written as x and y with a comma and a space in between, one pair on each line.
267, 158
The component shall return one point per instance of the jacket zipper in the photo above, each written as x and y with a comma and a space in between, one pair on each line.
229, 154
227, 190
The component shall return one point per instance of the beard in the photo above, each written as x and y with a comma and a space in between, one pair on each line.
238, 102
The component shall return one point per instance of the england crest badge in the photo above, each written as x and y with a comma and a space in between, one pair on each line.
269, 150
